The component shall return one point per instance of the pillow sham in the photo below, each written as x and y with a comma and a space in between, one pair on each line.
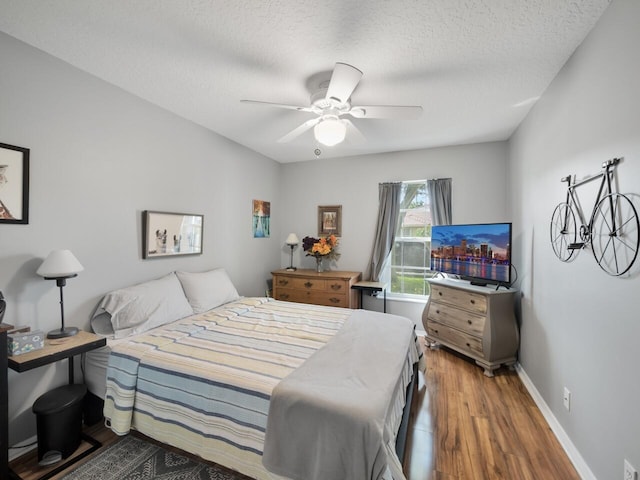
207, 290
147, 305
101, 323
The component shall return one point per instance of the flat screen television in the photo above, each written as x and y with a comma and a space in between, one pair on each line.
479, 252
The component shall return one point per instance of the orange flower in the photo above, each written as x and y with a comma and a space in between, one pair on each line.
321, 247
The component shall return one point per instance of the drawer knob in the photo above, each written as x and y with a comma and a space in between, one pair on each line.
336, 286
473, 302
440, 293
468, 345
334, 300
283, 282
284, 295
438, 311
308, 284
469, 322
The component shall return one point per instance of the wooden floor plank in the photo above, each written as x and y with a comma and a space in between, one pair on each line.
484, 428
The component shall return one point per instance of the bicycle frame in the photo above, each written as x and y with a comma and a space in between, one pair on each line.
612, 231
572, 199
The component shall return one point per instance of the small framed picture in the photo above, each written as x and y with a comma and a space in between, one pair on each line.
330, 220
261, 227
14, 184
166, 234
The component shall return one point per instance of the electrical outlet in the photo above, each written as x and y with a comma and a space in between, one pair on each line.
566, 399
630, 473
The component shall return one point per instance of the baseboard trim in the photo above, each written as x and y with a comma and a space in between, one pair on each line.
572, 452
19, 451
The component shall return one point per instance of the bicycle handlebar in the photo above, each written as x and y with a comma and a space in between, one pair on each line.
611, 163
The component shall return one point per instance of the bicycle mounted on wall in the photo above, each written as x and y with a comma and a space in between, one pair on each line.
612, 230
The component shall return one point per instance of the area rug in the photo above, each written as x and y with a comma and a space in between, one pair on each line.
133, 458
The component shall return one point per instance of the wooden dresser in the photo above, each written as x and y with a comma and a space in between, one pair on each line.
476, 321
324, 288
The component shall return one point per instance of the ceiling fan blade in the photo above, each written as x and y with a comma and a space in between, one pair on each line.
386, 111
279, 105
344, 80
354, 135
299, 130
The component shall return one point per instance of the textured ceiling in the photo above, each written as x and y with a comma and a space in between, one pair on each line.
475, 66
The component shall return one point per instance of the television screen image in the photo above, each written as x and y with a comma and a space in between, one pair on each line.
477, 252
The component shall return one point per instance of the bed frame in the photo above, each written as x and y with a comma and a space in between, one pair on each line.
403, 431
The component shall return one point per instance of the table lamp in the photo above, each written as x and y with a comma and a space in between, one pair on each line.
292, 241
58, 266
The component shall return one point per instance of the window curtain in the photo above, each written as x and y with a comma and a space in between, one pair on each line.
440, 199
388, 211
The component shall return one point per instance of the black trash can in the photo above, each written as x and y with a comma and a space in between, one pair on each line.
59, 420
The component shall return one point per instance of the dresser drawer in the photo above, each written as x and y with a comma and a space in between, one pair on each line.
468, 300
454, 337
464, 320
312, 296
300, 283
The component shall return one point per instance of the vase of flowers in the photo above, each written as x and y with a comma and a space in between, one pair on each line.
321, 248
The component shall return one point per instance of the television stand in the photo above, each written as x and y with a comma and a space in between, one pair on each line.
476, 321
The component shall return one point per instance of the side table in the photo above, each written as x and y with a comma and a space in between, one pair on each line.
53, 351
371, 287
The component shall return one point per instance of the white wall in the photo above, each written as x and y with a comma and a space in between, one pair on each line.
479, 174
580, 327
99, 157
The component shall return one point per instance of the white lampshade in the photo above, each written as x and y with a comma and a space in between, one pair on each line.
292, 239
59, 263
330, 131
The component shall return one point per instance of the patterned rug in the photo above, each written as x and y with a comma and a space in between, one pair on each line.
133, 458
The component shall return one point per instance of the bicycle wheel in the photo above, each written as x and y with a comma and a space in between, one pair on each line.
563, 231
615, 234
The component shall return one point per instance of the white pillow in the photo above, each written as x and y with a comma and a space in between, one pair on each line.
101, 324
145, 306
207, 290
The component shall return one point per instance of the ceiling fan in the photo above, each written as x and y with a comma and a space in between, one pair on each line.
332, 101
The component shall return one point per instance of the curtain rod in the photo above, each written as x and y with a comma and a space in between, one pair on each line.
415, 181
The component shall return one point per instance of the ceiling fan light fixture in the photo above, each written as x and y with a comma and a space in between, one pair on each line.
330, 131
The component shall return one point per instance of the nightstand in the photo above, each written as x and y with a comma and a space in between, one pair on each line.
53, 351
370, 288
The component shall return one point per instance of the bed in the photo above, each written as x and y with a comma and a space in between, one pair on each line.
268, 388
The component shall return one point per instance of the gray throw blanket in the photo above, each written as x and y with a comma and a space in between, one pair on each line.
328, 419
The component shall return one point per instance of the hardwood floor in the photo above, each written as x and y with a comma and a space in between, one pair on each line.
465, 426
472, 427
27, 465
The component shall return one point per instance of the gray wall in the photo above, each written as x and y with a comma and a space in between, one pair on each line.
580, 327
99, 157
479, 174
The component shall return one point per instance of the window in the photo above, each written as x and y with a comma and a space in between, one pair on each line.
410, 259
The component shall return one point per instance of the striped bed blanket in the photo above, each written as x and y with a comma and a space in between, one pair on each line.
204, 383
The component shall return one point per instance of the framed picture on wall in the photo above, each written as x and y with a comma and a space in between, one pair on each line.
330, 220
166, 234
14, 184
261, 227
